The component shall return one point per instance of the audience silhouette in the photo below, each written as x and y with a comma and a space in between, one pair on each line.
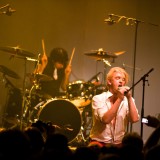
42, 141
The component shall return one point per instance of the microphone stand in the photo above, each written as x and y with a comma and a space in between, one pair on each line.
128, 22
134, 62
134, 58
143, 78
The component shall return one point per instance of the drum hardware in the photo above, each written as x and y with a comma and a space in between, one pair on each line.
80, 139
28, 101
106, 57
10, 122
17, 51
101, 88
7, 10
35, 92
8, 72
101, 54
79, 93
13, 100
7, 82
41, 77
87, 125
20, 53
79, 89
62, 113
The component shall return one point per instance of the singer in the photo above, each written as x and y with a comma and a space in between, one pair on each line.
111, 110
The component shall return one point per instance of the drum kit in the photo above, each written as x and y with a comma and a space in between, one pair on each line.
65, 112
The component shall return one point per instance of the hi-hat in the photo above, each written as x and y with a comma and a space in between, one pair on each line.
100, 54
8, 72
16, 51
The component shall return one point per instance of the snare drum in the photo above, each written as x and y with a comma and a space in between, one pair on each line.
60, 112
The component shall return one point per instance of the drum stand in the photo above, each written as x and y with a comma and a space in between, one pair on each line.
28, 108
80, 139
83, 137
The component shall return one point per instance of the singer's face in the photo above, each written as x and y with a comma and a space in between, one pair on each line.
117, 80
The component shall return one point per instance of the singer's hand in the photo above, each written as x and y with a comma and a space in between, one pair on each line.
124, 90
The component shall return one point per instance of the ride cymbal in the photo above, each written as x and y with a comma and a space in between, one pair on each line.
16, 51
100, 54
8, 72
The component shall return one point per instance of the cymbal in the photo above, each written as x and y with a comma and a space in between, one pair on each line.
8, 72
16, 51
42, 77
11, 120
100, 54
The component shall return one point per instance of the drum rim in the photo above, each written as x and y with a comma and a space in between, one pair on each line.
43, 104
77, 82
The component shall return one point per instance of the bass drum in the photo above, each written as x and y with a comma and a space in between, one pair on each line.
61, 113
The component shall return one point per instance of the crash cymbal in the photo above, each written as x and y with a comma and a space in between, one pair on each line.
100, 54
8, 72
16, 51
42, 77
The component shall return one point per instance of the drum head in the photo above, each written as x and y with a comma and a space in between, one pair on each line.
64, 114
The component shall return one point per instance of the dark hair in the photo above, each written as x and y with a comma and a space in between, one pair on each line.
59, 55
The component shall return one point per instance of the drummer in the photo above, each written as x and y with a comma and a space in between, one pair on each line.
57, 67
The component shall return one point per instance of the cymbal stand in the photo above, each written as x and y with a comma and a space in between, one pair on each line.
29, 107
23, 97
106, 64
24, 100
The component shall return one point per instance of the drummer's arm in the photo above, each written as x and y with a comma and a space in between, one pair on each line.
65, 80
41, 65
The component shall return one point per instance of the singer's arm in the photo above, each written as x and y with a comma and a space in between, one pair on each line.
133, 112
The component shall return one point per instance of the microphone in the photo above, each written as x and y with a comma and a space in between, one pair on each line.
110, 21
95, 77
9, 11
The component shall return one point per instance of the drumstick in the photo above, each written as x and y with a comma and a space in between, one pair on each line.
43, 47
72, 56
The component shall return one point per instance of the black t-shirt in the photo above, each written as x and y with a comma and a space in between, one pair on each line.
52, 87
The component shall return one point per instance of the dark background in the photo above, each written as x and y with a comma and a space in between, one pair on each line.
80, 24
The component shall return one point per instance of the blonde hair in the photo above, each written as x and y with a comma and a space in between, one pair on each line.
117, 69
